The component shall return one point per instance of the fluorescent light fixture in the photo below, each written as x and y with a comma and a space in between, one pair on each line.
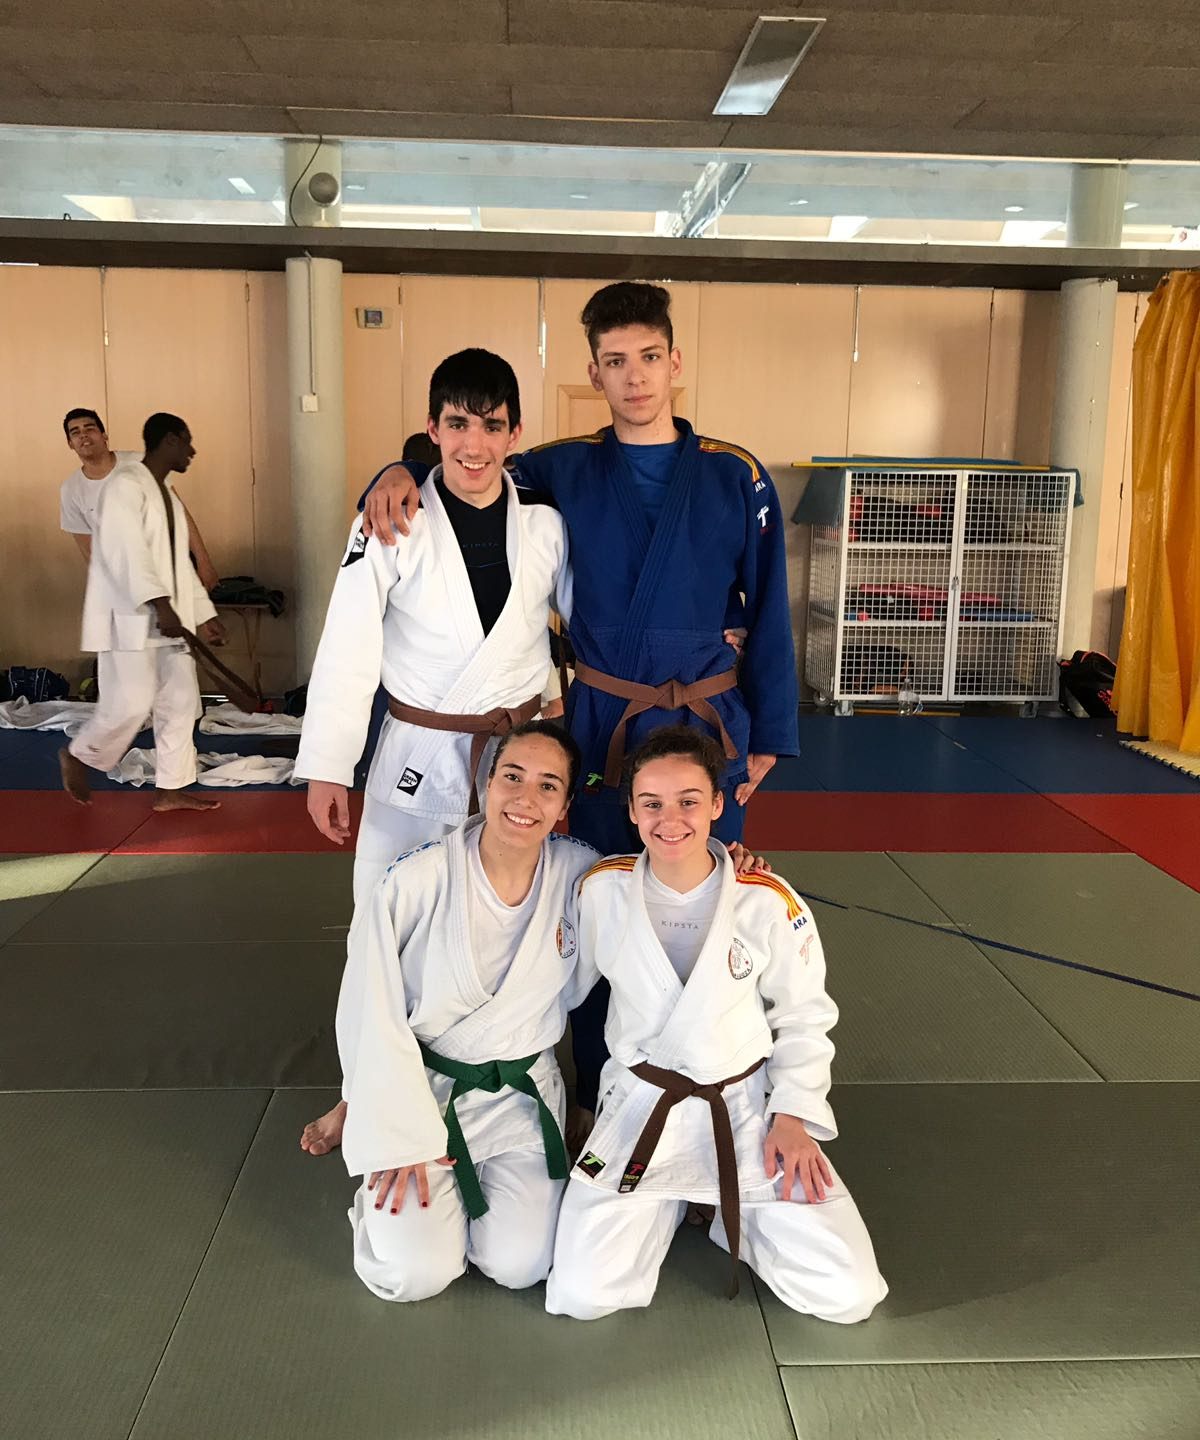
797, 202
355, 187
1131, 204
580, 195
846, 227
1013, 209
243, 187
777, 44
1027, 232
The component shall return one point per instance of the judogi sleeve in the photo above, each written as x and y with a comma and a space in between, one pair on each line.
345, 673
415, 468
392, 1118
534, 470
800, 1015
70, 513
586, 972
767, 676
121, 544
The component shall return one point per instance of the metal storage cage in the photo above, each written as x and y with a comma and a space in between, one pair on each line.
947, 581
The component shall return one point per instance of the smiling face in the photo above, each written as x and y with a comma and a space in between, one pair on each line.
86, 438
634, 368
673, 805
528, 793
474, 449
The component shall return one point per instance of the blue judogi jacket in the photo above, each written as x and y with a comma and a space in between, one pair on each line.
651, 606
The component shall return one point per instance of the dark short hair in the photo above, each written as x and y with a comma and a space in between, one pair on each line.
81, 414
551, 731
159, 426
421, 448
478, 382
683, 741
628, 302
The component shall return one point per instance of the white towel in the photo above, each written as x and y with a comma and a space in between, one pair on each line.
223, 772
229, 720
69, 716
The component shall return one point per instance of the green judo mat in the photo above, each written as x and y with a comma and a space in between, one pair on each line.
108, 1203
30, 884
1114, 1400
1017, 1222
279, 1339
1108, 912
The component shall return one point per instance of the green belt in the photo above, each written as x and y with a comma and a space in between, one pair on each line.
492, 1077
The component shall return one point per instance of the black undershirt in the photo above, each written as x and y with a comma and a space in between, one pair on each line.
482, 537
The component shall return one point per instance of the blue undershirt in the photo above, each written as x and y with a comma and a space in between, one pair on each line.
652, 467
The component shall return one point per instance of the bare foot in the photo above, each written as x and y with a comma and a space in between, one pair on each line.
74, 777
321, 1136
700, 1214
183, 800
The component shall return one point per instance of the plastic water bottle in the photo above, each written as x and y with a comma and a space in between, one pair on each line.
908, 702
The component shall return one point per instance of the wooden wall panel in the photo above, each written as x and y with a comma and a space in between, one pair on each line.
374, 372
773, 375
442, 313
571, 407
1022, 359
920, 382
178, 341
51, 360
271, 469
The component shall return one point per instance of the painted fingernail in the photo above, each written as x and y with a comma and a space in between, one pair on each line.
424, 1204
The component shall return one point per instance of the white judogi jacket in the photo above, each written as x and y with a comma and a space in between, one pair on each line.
757, 989
406, 614
411, 974
132, 564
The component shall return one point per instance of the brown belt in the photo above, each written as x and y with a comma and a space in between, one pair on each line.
671, 695
677, 1087
240, 691
483, 727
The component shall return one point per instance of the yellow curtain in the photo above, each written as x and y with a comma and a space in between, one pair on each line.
1157, 692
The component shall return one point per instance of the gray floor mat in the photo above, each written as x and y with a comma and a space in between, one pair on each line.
475, 1361
1017, 1222
85, 1016
204, 897
1115, 912
30, 884
107, 1205
849, 878
1107, 1400
920, 1005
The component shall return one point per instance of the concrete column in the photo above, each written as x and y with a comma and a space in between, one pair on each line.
1087, 311
312, 186
317, 434
1096, 212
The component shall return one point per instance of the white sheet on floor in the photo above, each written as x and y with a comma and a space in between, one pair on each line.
222, 772
68, 716
229, 720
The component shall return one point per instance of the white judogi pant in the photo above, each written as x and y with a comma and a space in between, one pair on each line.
385, 832
159, 684
417, 1253
817, 1258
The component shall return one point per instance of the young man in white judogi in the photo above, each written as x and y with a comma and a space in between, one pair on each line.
142, 594
79, 495
453, 620
716, 1091
461, 970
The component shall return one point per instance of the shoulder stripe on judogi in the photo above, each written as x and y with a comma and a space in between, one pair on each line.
613, 862
595, 439
722, 447
770, 882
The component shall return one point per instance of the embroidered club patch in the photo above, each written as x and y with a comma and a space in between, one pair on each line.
591, 1164
632, 1177
409, 781
565, 938
740, 962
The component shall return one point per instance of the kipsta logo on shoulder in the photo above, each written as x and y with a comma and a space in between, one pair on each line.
409, 781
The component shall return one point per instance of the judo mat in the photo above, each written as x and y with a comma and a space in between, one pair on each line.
1116, 1400
475, 1361
1016, 1222
108, 1204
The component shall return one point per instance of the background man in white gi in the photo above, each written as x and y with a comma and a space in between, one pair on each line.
79, 497
142, 593
718, 987
454, 621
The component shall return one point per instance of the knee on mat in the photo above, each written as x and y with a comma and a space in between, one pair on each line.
416, 1277
849, 1302
516, 1265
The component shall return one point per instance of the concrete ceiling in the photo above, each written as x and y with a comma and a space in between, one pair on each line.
1082, 78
